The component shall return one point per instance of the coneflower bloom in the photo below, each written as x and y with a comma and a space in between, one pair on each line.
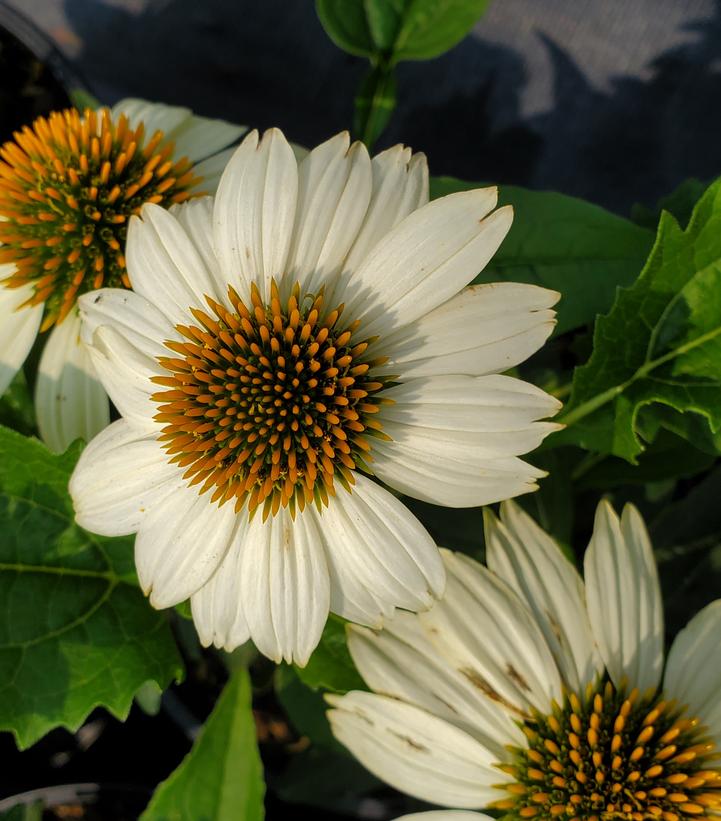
68, 185
525, 691
303, 332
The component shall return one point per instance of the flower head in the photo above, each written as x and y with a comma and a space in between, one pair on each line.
526, 691
304, 331
69, 184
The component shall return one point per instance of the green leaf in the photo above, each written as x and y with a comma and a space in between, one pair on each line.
374, 104
82, 99
331, 667
393, 30
659, 345
76, 632
346, 24
221, 778
430, 27
306, 708
680, 202
16, 406
565, 244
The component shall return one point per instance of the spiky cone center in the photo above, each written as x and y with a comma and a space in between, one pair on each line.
608, 754
269, 405
68, 186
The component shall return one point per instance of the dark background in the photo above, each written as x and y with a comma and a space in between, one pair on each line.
616, 101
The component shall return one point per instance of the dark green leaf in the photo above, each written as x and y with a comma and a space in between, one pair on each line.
374, 104
565, 244
221, 778
16, 406
346, 24
331, 667
393, 30
660, 343
430, 27
306, 708
679, 202
76, 632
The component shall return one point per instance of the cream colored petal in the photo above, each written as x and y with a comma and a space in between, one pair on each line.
334, 188
165, 266
624, 598
154, 116
532, 564
401, 661
182, 539
484, 329
198, 138
70, 401
693, 669
284, 585
425, 260
400, 187
217, 607
414, 751
484, 629
18, 329
255, 211
121, 475
375, 544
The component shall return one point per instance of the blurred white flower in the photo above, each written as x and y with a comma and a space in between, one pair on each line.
525, 691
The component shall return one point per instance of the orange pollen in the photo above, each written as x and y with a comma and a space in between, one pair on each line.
269, 404
610, 755
68, 185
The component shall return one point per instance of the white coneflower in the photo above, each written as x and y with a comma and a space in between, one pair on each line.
68, 185
525, 691
283, 343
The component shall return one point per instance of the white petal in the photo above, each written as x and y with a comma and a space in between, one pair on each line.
624, 598
375, 544
181, 541
453, 438
200, 137
483, 329
693, 669
154, 116
18, 329
125, 372
210, 171
217, 607
284, 586
414, 751
426, 259
445, 815
255, 210
196, 217
70, 402
532, 564
165, 266
400, 186
129, 314
401, 661
121, 475
488, 634
334, 188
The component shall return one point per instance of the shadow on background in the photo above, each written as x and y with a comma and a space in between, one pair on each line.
271, 63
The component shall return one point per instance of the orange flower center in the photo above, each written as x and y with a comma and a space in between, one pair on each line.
68, 186
269, 404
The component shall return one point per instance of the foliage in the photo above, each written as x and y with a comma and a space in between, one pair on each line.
76, 632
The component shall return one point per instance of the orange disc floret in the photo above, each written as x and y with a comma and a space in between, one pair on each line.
68, 185
269, 404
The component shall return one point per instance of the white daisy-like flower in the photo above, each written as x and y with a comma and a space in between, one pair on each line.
68, 185
283, 343
526, 691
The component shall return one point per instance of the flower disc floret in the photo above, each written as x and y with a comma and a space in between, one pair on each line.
70, 182
269, 404
608, 754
